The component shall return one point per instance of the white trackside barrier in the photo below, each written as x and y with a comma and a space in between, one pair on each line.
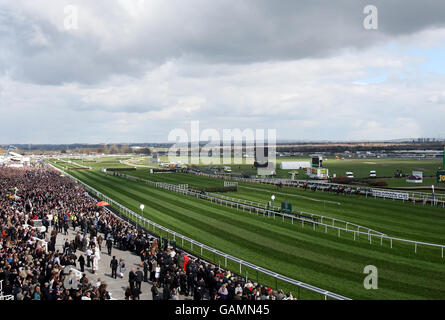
251, 207
146, 222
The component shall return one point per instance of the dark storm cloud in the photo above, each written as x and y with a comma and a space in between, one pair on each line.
33, 50
234, 32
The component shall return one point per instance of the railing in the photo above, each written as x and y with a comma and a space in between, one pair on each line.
258, 208
43, 243
147, 223
412, 195
313, 216
167, 186
380, 236
4, 297
434, 199
75, 163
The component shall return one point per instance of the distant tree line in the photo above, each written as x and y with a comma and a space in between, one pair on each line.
360, 147
106, 149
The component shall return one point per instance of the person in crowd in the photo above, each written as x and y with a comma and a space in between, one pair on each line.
175, 294
81, 261
33, 269
146, 267
99, 242
154, 292
132, 278
128, 293
139, 278
122, 268
95, 264
109, 244
113, 265
166, 292
89, 253
223, 292
96, 252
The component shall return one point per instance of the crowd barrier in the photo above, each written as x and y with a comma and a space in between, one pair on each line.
146, 223
437, 199
371, 234
4, 297
260, 208
75, 163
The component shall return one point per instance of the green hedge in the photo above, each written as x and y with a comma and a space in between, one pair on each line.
360, 181
164, 170
217, 189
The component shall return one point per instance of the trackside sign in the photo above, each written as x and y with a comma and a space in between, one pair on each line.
390, 194
441, 177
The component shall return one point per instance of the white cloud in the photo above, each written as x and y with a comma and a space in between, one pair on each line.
134, 71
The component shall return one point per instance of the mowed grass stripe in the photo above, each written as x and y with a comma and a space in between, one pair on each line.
233, 217
244, 244
420, 281
369, 202
416, 288
378, 223
379, 218
376, 211
179, 178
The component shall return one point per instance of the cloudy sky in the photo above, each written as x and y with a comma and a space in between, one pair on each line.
132, 71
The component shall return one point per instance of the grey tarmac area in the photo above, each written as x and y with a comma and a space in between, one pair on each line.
116, 287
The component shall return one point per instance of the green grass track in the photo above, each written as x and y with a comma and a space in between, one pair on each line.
312, 256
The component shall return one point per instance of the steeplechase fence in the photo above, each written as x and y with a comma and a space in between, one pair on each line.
204, 249
371, 234
414, 197
230, 184
265, 210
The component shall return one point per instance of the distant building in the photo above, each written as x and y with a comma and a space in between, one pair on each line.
294, 165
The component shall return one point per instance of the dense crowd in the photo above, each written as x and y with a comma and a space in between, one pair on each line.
32, 269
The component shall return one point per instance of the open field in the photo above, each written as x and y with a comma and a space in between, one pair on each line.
312, 256
379, 214
384, 168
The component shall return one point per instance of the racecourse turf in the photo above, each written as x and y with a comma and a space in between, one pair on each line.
321, 259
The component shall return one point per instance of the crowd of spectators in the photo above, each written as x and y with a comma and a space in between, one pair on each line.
32, 269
